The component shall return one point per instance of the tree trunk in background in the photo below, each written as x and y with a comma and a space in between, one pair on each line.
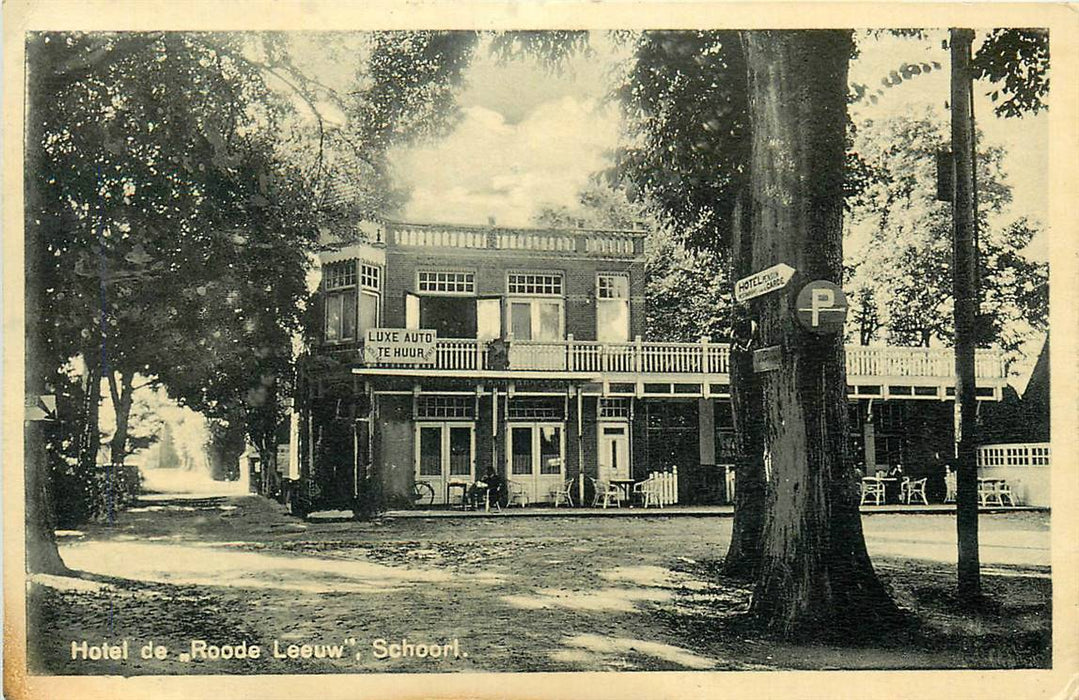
122, 398
815, 575
743, 554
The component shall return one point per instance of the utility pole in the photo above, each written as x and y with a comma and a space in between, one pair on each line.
965, 294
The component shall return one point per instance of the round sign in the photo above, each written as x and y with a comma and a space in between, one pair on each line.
821, 307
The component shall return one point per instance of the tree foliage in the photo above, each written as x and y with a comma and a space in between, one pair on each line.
1016, 61
176, 186
684, 101
900, 257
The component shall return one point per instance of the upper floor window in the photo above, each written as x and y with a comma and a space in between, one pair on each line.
612, 307
371, 277
339, 284
445, 282
535, 309
352, 292
534, 284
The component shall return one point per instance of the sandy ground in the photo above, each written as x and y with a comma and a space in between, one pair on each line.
493, 594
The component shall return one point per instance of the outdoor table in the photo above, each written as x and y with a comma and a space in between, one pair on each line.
457, 485
890, 494
624, 485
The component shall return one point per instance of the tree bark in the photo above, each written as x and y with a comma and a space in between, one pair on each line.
815, 574
965, 293
42, 554
744, 551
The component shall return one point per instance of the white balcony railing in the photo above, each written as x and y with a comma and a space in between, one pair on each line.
865, 361
639, 357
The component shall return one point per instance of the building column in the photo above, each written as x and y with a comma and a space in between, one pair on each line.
869, 441
706, 431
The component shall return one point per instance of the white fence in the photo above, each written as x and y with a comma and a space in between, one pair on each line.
1025, 466
664, 485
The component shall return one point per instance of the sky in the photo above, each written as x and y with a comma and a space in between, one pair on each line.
528, 138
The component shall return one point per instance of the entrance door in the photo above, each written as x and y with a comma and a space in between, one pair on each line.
445, 452
536, 458
613, 451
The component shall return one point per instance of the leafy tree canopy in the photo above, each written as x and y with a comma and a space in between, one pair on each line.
899, 255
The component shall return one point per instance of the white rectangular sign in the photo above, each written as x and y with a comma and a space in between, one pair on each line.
759, 283
400, 346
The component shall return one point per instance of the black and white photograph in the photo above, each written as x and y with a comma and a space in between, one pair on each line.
518, 357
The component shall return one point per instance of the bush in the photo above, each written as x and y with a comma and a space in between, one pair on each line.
82, 497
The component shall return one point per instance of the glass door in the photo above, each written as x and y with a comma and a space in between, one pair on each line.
613, 452
536, 458
445, 453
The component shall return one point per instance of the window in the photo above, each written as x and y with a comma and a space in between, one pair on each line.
446, 303
370, 296
428, 407
539, 318
612, 286
338, 275
536, 408
535, 284
445, 282
612, 307
614, 408
550, 449
371, 277
339, 285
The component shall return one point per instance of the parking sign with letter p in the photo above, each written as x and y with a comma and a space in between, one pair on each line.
821, 307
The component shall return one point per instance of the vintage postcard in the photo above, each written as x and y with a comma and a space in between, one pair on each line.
529, 350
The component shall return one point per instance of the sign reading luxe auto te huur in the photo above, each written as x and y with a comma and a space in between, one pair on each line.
404, 346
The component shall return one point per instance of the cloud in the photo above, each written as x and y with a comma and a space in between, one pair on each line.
490, 167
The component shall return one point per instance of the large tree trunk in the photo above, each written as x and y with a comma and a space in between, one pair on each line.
815, 575
744, 551
42, 554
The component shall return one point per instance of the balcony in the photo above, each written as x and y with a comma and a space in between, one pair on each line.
580, 242
872, 372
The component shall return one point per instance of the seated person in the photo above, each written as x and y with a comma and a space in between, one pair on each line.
897, 471
496, 485
490, 487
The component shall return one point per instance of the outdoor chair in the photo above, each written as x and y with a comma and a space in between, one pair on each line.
606, 494
916, 489
1005, 492
872, 489
647, 492
516, 493
994, 492
563, 493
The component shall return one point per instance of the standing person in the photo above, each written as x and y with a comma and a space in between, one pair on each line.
937, 478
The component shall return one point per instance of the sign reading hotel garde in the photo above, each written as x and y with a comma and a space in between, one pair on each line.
404, 346
760, 283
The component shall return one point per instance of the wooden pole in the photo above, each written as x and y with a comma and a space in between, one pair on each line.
965, 293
